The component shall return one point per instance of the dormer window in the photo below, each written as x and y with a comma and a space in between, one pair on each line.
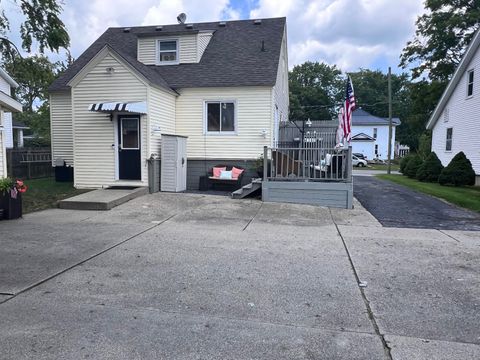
167, 52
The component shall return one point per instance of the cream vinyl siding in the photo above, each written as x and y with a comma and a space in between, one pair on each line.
93, 132
3, 154
5, 86
203, 40
161, 109
463, 117
61, 128
253, 114
187, 46
280, 90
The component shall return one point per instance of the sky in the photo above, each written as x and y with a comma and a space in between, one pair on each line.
352, 34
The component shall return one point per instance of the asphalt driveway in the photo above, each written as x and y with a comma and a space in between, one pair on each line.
395, 205
187, 276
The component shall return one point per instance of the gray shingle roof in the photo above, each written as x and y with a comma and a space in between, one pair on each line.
232, 58
361, 117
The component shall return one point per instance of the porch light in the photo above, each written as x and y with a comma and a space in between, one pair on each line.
308, 123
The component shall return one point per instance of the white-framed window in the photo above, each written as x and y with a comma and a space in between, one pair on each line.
220, 117
470, 76
167, 51
446, 114
374, 133
448, 139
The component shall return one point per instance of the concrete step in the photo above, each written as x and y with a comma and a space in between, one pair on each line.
102, 199
246, 190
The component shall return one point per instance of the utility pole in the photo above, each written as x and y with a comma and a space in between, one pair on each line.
389, 169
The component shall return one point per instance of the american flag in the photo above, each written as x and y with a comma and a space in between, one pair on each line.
345, 115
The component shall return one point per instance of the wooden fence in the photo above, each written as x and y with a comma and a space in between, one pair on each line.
29, 163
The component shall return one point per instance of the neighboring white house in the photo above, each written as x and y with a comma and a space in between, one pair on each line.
224, 85
370, 135
7, 106
456, 119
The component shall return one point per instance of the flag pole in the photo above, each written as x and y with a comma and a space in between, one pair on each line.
389, 168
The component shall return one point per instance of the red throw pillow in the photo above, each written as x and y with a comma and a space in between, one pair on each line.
236, 172
218, 170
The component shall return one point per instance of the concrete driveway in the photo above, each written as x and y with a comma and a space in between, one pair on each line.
186, 276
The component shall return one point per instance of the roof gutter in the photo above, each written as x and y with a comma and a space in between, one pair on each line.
8, 78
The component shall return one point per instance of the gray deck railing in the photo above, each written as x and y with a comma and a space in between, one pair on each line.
307, 163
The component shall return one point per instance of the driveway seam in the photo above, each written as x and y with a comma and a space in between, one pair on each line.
254, 216
85, 260
450, 236
371, 315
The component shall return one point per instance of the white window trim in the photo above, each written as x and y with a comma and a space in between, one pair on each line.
205, 118
121, 132
451, 140
157, 52
468, 83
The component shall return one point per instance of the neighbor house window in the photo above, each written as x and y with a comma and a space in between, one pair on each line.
374, 133
446, 115
220, 116
167, 51
448, 141
470, 76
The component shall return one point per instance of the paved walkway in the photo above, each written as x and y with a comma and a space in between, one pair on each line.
397, 206
186, 276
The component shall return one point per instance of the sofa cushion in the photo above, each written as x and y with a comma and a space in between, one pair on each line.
236, 172
226, 175
217, 171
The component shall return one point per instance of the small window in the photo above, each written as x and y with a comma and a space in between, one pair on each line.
470, 76
374, 133
376, 150
220, 117
446, 115
167, 51
448, 141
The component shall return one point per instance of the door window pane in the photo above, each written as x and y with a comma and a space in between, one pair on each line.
213, 117
130, 134
228, 117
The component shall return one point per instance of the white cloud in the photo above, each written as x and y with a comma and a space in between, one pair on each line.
349, 33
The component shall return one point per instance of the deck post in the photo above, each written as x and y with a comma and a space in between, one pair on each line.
349, 164
265, 163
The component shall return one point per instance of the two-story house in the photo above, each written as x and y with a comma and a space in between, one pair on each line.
370, 135
7, 106
455, 121
224, 85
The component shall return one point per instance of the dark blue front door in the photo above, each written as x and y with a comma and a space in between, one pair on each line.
129, 147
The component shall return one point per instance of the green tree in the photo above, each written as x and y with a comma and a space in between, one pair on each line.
41, 24
34, 75
316, 90
441, 37
430, 169
371, 92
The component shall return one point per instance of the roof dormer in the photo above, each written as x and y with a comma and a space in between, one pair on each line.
172, 48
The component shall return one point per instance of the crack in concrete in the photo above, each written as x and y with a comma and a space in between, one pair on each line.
254, 216
371, 315
87, 259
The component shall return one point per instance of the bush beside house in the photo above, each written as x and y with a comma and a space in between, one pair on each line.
412, 166
404, 163
430, 169
459, 172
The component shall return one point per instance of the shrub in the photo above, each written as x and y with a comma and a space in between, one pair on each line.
404, 162
430, 169
412, 166
459, 172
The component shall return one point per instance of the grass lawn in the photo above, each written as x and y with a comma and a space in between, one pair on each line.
44, 194
395, 167
467, 197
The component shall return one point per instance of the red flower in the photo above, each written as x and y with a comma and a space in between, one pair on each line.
20, 186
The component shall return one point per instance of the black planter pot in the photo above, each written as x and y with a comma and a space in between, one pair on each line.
12, 208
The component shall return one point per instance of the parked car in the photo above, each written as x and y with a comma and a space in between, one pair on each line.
360, 156
358, 162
